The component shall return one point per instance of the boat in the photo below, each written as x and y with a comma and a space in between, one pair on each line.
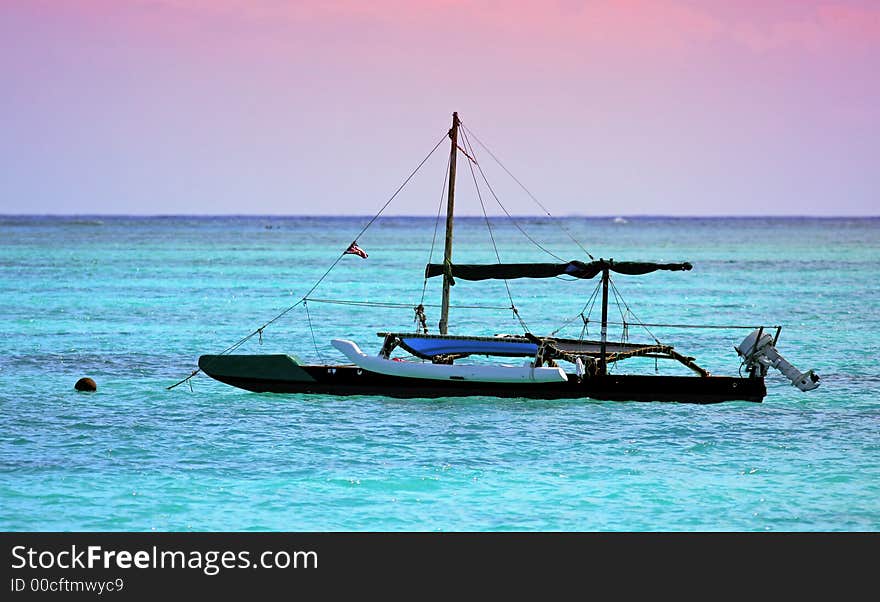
519, 365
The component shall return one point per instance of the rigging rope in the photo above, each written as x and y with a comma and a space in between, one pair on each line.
639, 322
436, 224
592, 305
590, 301
375, 217
240, 342
302, 300
312, 330
400, 305
527, 191
503, 208
492, 238
716, 326
624, 332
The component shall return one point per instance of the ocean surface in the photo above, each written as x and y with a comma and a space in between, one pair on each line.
133, 302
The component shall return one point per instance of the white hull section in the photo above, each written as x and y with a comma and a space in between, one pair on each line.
492, 374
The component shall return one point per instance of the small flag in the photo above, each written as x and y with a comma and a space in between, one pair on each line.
354, 249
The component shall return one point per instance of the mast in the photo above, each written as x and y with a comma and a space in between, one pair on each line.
603, 365
450, 207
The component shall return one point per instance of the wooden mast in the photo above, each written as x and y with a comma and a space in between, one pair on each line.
450, 207
603, 364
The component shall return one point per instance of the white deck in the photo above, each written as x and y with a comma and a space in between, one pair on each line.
477, 373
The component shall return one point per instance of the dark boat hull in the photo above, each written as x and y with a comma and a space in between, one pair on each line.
283, 374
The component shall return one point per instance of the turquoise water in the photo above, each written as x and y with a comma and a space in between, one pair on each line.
133, 302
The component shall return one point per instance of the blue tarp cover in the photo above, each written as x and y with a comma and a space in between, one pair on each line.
430, 347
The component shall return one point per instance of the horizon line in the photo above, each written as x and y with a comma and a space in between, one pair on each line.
465, 216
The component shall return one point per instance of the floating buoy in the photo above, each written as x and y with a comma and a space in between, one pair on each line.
85, 384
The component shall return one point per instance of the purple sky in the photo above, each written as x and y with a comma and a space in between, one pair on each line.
628, 107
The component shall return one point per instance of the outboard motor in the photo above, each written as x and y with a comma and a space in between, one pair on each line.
759, 354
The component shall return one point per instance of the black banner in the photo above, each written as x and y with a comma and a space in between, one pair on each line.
113, 565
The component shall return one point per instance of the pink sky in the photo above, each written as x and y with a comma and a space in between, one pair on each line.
603, 107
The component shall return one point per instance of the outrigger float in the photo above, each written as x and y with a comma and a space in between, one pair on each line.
436, 364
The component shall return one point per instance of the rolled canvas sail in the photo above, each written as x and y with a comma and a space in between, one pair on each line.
577, 269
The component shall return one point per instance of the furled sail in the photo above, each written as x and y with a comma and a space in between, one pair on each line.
577, 269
